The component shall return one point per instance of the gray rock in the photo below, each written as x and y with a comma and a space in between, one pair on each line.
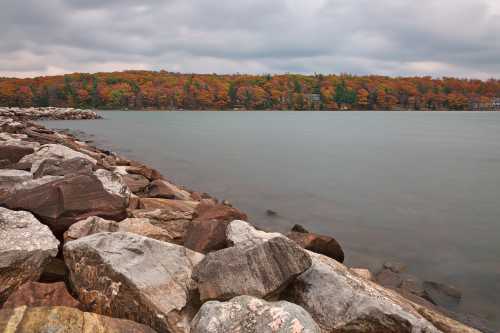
51, 167
241, 232
53, 151
113, 184
252, 315
442, 294
260, 270
9, 178
26, 246
133, 277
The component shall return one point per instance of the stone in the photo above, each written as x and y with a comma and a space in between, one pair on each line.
138, 226
9, 178
252, 315
261, 270
53, 151
136, 183
442, 294
321, 244
53, 167
13, 153
299, 228
113, 183
364, 273
412, 284
26, 246
168, 204
133, 277
389, 279
396, 267
207, 232
63, 202
340, 301
141, 169
34, 294
63, 320
241, 232
165, 190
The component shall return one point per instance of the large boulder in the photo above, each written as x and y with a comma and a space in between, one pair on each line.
136, 183
240, 232
207, 232
94, 225
318, 243
26, 246
169, 204
62, 202
35, 294
9, 178
52, 167
133, 277
14, 152
252, 315
63, 320
165, 190
53, 151
341, 301
261, 270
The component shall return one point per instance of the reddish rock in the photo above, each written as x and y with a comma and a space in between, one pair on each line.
388, 279
141, 169
163, 189
168, 204
14, 153
35, 294
136, 183
207, 232
62, 202
325, 245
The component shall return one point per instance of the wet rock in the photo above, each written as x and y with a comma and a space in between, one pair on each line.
34, 294
13, 153
260, 270
168, 204
94, 225
26, 246
165, 190
133, 277
54, 152
52, 167
271, 213
207, 232
299, 228
340, 301
136, 183
321, 244
364, 273
250, 314
442, 294
394, 266
63, 320
412, 284
389, 279
61, 203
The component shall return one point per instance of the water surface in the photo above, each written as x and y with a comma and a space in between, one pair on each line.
421, 188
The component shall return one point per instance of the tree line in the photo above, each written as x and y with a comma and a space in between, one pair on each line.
138, 90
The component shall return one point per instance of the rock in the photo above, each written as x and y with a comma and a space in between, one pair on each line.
136, 183
35, 294
442, 294
412, 284
113, 183
61, 203
53, 151
63, 320
396, 267
26, 246
168, 204
340, 301
389, 279
260, 270
271, 213
364, 273
141, 169
94, 224
13, 153
165, 190
133, 277
240, 232
250, 314
207, 232
321, 244
9, 178
52, 167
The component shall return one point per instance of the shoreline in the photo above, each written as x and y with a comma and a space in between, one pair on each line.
130, 197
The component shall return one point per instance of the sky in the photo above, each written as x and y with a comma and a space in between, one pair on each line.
458, 38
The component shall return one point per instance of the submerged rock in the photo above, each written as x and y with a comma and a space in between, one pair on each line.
442, 294
63, 320
129, 276
253, 315
26, 246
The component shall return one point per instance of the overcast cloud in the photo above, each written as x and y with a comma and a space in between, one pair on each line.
390, 37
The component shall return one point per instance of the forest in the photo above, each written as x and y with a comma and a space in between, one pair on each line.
162, 90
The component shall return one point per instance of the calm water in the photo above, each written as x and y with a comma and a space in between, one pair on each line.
421, 188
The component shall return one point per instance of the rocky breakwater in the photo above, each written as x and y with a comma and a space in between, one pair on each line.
47, 113
141, 254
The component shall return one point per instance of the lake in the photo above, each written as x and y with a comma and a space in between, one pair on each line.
416, 187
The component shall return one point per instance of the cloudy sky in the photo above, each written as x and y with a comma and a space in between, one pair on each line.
390, 37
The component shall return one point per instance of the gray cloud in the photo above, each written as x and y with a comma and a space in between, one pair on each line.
392, 37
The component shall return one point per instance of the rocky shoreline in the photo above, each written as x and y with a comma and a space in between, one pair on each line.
94, 242
47, 113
